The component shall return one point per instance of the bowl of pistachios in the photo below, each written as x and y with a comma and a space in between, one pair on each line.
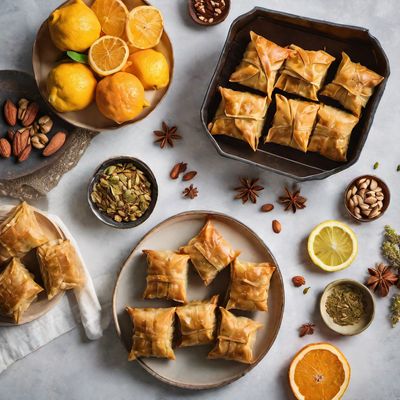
122, 192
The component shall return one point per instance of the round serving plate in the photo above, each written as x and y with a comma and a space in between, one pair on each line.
192, 369
14, 86
45, 56
41, 305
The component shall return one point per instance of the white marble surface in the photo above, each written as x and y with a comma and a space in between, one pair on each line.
73, 368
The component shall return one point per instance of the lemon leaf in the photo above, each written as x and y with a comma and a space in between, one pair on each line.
78, 57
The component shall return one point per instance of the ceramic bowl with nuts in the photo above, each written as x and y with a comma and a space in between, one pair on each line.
366, 198
208, 12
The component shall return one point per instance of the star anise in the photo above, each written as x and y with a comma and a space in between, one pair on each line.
248, 190
190, 192
381, 279
306, 329
167, 135
293, 200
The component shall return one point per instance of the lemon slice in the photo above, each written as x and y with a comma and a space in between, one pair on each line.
112, 15
108, 55
332, 245
144, 27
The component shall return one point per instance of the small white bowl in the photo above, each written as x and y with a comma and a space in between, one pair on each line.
348, 330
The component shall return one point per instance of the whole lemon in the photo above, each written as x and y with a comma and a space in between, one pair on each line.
70, 87
120, 97
151, 67
74, 26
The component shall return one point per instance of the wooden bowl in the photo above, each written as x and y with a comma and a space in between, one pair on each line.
192, 369
41, 305
216, 21
45, 56
385, 191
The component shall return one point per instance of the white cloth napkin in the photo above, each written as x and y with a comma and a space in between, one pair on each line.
17, 342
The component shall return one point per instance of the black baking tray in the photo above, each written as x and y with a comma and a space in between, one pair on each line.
311, 34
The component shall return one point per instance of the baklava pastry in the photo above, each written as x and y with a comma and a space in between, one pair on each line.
293, 123
197, 322
249, 285
153, 332
304, 72
240, 115
332, 133
166, 275
60, 267
17, 290
353, 85
260, 64
209, 252
235, 339
20, 233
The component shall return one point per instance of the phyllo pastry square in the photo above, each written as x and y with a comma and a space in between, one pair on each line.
209, 252
166, 275
235, 339
60, 267
197, 321
153, 332
17, 290
293, 123
331, 136
304, 72
260, 64
353, 85
20, 233
249, 285
240, 115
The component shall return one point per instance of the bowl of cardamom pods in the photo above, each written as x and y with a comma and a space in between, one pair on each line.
122, 192
347, 307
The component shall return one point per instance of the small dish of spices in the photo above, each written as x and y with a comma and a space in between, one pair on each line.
208, 12
347, 307
122, 192
366, 198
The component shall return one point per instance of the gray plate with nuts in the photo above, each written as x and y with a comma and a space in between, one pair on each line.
25, 156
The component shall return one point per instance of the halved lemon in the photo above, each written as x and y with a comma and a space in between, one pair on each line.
112, 15
332, 245
108, 55
319, 371
144, 27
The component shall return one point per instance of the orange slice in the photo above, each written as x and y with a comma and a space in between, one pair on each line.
112, 15
108, 55
319, 371
144, 27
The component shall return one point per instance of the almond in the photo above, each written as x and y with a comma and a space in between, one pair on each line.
267, 207
177, 169
25, 153
10, 112
10, 135
55, 144
276, 226
189, 175
30, 114
20, 142
5, 148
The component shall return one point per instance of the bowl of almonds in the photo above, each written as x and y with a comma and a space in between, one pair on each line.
366, 198
123, 192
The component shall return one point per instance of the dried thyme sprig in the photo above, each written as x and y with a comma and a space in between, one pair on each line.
391, 247
395, 310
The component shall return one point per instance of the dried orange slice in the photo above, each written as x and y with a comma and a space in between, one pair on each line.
144, 27
319, 371
108, 55
112, 15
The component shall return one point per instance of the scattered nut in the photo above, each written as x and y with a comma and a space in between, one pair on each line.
298, 281
45, 124
39, 141
276, 226
10, 112
55, 144
5, 148
189, 175
30, 114
22, 106
25, 153
267, 207
20, 142
177, 169
10, 135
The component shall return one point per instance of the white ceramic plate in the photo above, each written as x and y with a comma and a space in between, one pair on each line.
41, 305
192, 369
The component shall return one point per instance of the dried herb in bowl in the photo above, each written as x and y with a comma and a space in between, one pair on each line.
122, 192
346, 305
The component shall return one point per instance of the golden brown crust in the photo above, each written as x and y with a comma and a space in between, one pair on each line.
153, 332
249, 285
17, 290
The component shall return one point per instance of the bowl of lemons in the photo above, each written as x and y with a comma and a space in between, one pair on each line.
102, 64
